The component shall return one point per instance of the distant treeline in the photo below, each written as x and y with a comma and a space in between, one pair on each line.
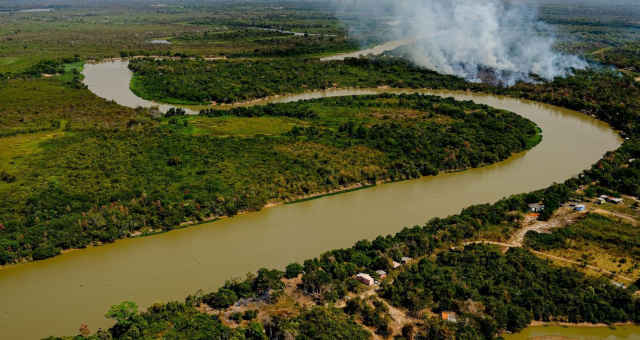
200, 81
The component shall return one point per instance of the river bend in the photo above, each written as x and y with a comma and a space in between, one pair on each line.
54, 296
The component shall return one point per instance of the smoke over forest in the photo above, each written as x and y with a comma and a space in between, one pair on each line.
474, 39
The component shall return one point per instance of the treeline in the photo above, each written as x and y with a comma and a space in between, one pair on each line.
200, 81
235, 35
299, 46
303, 23
45, 66
148, 53
295, 110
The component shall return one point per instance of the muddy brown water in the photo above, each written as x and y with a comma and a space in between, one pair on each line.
577, 333
53, 297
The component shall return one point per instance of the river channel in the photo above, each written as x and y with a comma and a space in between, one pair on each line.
577, 333
54, 296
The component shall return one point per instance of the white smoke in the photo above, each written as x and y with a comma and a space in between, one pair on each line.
470, 38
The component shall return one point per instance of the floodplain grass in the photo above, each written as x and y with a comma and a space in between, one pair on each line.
42, 103
590, 253
241, 126
596, 240
96, 32
629, 208
14, 150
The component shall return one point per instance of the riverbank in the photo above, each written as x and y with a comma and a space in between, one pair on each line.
552, 331
147, 231
579, 324
172, 265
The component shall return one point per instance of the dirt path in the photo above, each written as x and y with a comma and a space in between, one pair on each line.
564, 216
553, 257
399, 317
602, 50
598, 269
609, 213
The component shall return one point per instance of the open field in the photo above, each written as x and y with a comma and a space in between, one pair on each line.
238, 126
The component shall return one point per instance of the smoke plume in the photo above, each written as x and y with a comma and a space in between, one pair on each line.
476, 39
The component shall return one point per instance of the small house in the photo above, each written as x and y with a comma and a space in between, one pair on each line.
618, 284
365, 278
536, 207
579, 207
381, 274
614, 200
395, 264
405, 259
449, 316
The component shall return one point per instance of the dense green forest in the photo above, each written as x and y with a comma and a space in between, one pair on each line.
200, 81
83, 185
513, 289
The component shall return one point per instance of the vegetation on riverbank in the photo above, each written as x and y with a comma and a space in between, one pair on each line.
201, 81
84, 186
33, 104
72, 172
469, 281
489, 291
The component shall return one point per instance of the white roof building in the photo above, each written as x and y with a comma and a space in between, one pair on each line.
365, 278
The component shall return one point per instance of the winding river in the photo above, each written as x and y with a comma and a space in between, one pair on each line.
56, 295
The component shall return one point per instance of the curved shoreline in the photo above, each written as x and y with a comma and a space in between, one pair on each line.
270, 204
172, 265
577, 331
579, 324
275, 203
